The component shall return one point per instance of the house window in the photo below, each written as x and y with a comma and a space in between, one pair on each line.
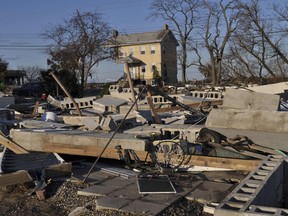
143, 69
121, 54
142, 52
131, 51
152, 49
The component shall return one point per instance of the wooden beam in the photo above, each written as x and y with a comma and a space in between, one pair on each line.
196, 160
12, 145
126, 67
151, 106
35, 110
19, 177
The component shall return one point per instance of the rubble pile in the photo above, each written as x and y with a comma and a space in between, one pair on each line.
155, 136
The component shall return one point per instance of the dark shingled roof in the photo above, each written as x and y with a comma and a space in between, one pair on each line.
142, 38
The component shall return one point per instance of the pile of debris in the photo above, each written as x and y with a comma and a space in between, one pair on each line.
163, 140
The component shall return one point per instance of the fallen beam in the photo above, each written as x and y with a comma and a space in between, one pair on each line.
11, 145
92, 144
37, 140
227, 163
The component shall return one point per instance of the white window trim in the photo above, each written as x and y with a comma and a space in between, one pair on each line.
142, 49
152, 50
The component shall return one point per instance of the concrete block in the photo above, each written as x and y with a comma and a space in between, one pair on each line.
269, 121
95, 177
130, 194
189, 99
108, 124
96, 190
114, 203
146, 208
243, 99
236, 99
257, 120
285, 122
109, 103
81, 120
242, 119
166, 199
219, 118
91, 123
276, 88
143, 116
37, 140
118, 182
84, 102
144, 130
208, 192
29, 123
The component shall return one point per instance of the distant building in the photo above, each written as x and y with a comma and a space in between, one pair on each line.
14, 77
150, 55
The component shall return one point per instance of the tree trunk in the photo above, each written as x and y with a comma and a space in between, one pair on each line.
184, 62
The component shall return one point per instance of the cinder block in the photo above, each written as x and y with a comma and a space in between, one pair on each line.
268, 121
242, 119
243, 99
219, 118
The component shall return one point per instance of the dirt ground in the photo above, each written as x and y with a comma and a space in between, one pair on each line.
62, 198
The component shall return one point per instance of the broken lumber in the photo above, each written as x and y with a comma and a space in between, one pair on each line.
14, 178
11, 145
92, 144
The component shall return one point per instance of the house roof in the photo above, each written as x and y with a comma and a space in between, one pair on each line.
15, 73
144, 37
130, 59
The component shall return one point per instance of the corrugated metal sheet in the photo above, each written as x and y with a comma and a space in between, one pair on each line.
12, 162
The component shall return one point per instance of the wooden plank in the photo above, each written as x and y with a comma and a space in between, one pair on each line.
193, 105
35, 110
235, 164
196, 160
252, 154
153, 112
15, 178
264, 149
12, 145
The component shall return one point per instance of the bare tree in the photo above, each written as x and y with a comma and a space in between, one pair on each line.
221, 23
79, 43
262, 40
183, 16
33, 73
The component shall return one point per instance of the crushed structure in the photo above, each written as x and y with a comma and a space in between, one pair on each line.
163, 133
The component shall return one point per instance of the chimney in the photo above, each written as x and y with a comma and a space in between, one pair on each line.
165, 27
115, 33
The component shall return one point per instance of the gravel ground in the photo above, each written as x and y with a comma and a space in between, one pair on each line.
62, 198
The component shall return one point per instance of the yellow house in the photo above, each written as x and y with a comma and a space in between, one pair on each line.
151, 56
